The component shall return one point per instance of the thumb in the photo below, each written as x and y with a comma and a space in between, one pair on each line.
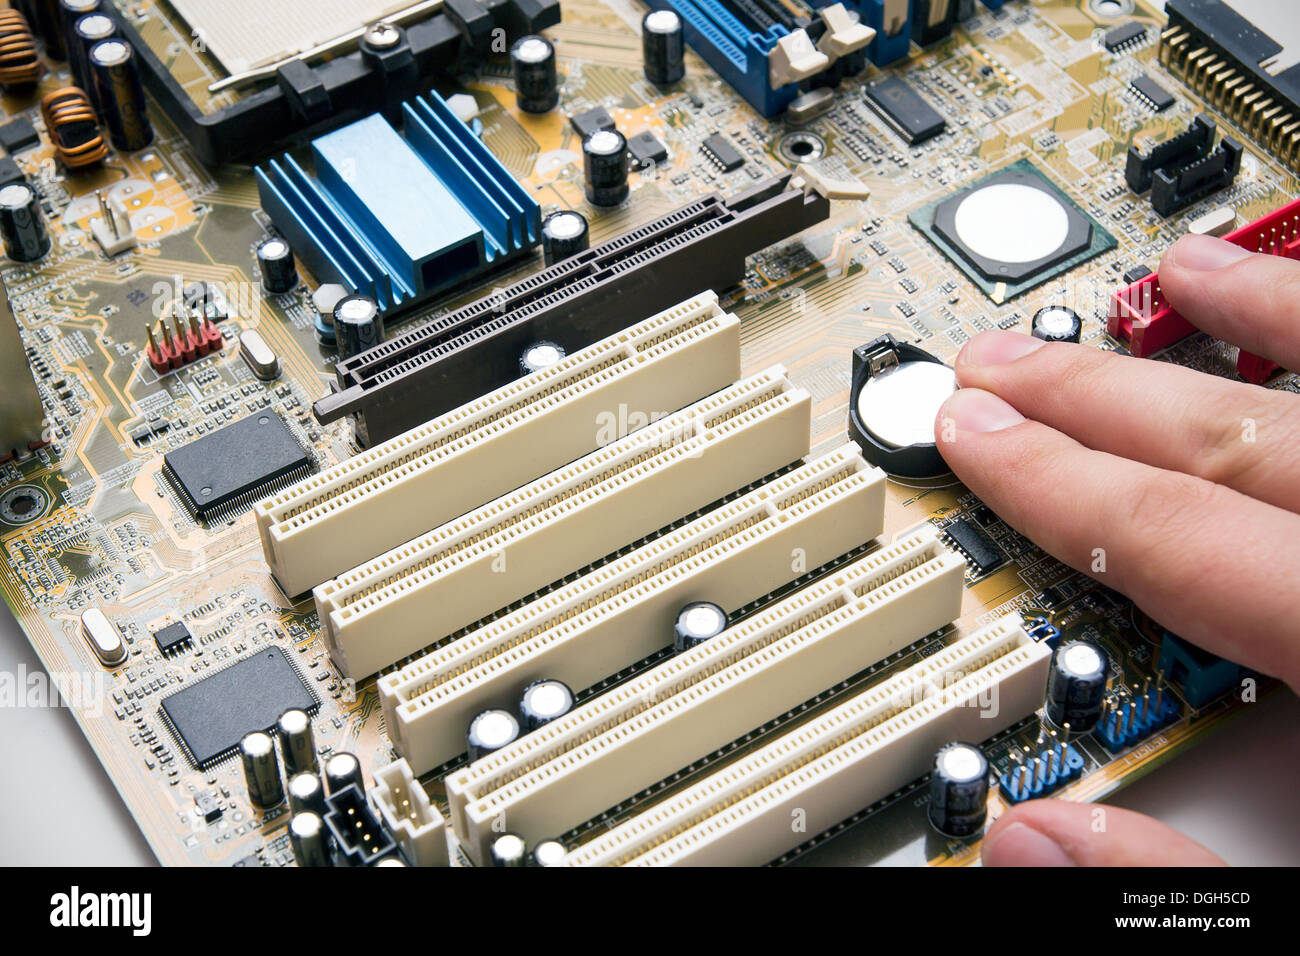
1058, 833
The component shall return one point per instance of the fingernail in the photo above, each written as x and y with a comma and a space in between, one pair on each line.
1206, 253
975, 410
998, 347
1021, 845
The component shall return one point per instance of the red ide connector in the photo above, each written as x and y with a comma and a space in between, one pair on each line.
1140, 315
179, 346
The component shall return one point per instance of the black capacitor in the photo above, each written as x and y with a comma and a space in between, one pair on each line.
509, 849
275, 263
696, 623
261, 769
297, 744
564, 234
537, 84
22, 224
490, 730
343, 770
306, 792
605, 164
48, 25
1076, 685
549, 853
120, 96
358, 324
1056, 323
87, 31
543, 701
959, 790
539, 355
70, 11
663, 47
310, 839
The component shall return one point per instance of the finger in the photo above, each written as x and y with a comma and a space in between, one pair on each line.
1058, 833
1205, 561
1251, 300
1226, 432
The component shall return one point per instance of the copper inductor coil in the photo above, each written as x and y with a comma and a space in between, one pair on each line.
73, 127
20, 63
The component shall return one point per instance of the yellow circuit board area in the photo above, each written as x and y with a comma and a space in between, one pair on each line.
90, 520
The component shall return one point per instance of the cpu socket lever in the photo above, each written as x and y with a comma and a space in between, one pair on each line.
896, 393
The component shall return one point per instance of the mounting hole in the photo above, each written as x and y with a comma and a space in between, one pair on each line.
1110, 9
802, 147
23, 505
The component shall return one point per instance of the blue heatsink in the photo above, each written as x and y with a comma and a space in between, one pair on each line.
400, 216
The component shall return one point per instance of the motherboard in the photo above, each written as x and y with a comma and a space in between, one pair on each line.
442, 433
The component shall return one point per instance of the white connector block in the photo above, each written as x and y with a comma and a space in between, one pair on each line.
417, 826
378, 500
685, 708
834, 765
462, 571
623, 612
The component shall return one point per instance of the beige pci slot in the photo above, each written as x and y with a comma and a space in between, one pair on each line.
683, 709
374, 502
464, 570
841, 761
623, 612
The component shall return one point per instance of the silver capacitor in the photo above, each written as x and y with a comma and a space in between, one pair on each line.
296, 741
261, 769
343, 770
310, 839
306, 792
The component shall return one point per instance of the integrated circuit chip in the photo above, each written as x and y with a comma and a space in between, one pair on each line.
1152, 93
172, 637
218, 473
1124, 35
591, 121
975, 545
719, 149
646, 150
903, 109
19, 134
209, 718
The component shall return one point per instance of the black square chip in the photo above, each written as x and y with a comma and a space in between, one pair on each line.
172, 637
19, 134
232, 467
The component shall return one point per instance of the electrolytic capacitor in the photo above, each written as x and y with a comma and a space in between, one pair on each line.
276, 265
261, 769
605, 165
306, 792
22, 224
696, 623
1056, 323
663, 47
358, 325
70, 11
537, 82
959, 790
296, 741
509, 849
543, 701
310, 839
343, 770
549, 853
539, 355
46, 23
120, 96
87, 31
564, 234
1076, 685
491, 730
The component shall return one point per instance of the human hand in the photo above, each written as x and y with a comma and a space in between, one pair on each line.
1179, 489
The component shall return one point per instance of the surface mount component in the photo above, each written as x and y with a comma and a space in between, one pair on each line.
1011, 231
645, 150
984, 556
1141, 316
903, 109
681, 710
624, 611
22, 417
1125, 36
172, 638
211, 716
896, 391
839, 761
375, 501
224, 470
721, 153
1152, 93
408, 598
400, 217
458, 357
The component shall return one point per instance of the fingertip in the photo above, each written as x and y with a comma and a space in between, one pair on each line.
973, 410
1196, 253
1012, 843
